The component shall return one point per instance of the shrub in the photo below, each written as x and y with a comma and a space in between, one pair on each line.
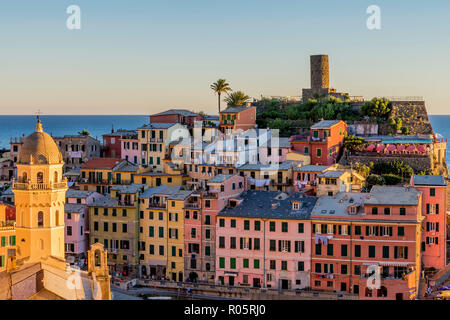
391, 179
375, 179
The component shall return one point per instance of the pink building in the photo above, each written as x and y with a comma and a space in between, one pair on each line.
263, 240
76, 221
274, 151
434, 231
200, 228
130, 148
358, 237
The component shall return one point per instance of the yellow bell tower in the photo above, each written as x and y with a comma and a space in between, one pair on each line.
39, 192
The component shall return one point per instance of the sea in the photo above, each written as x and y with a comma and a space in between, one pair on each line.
16, 126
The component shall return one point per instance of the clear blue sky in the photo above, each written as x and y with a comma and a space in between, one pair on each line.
140, 57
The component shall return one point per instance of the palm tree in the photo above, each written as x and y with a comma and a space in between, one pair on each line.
236, 98
219, 87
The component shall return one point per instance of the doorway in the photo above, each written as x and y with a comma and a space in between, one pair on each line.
284, 284
343, 286
256, 282
231, 281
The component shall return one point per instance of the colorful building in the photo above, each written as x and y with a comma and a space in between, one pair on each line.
114, 222
130, 148
77, 149
76, 220
324, 143
112, 142
180, 116
434, 231
357, 237
331, 182
263, 240
237, 118
99, 174
305, 178
274, 150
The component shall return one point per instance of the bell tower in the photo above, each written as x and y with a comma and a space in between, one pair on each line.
40, 192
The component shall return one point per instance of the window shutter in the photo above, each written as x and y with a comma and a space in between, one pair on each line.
340, 229
437, 226
250, 243
367, 230
279, 245
437, 208
428, 208
289, 246
242, 243
406, 252
296, 246
395, 252
437, 242
428, 226
390, 231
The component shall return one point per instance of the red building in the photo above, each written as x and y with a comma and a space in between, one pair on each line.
434, 231
112, 142
368, 243
181, 116
235, 118
324, 143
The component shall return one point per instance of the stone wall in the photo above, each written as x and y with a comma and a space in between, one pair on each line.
419, 163
413, 114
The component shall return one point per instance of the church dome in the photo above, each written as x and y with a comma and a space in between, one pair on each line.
39, 148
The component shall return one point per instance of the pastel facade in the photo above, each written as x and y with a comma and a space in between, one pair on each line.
130, 148
325, 142
184, 117
77, 149
305, 178
76, 220
154, 139
274, 151
263, 240
434, 231
237, 118
352, 232
334, 181
114, 222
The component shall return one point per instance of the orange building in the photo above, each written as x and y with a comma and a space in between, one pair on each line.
235, 118
324, 144
434, 231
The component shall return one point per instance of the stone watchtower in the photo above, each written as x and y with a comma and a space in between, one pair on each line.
320, 72
98, 270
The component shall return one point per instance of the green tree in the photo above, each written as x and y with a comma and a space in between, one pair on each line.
236, 98
84, 132
377, 107
219, 87
353, 143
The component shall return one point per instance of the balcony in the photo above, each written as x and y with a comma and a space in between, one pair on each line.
157, 205
192, 206
39, 186
211, 195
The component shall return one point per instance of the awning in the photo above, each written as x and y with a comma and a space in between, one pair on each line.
421, 148
371, 147
231, 274
388, 263
391, 147
401, 147
411, 148
380, 148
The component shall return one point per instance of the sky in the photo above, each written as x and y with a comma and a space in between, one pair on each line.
143, 57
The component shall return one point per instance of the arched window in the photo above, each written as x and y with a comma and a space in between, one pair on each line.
57, 218
55, 177
97, 257
40, 177
24, 177
40, 219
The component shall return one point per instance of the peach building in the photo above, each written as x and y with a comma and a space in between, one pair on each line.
263, 240
235, 118
352, 232
325, 142
200, 228
434, 231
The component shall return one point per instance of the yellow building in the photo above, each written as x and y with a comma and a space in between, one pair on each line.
40, 193
114, 222
331, 182
162, 232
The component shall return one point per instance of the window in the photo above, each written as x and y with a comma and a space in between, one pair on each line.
402, 211
69, 230
343, 250
257, 225
432, 192
221, 242
233, 223
207, 203
161, 232
233, 243
318, 268
374, 211
319, 152
272, 226
387, 211
371, 251
357, 270
318, 249
357, 230
343, 269
284, 227
221, 262
301, 228
400, 252
272, 245
207, 251
105, 226
299, 246
357, 251
151, 231
329, 249
222, 223
245, 263
232, 263
284, 245
401, 231
246, 224
385, 252
273, 265
161, 250
284, 265
40, 219
256, 263
300, 266
124, 228
207, 219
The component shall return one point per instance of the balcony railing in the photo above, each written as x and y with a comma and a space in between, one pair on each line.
192, 205
39, 186
158, 205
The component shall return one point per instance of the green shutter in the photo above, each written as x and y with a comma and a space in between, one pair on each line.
3, 241
222, 262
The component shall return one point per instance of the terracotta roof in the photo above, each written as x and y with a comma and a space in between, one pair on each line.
101, 163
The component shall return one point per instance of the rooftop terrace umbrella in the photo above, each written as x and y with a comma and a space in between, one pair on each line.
380, 148
371, 147
391, 147
400, 147
421, 148
411, 148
